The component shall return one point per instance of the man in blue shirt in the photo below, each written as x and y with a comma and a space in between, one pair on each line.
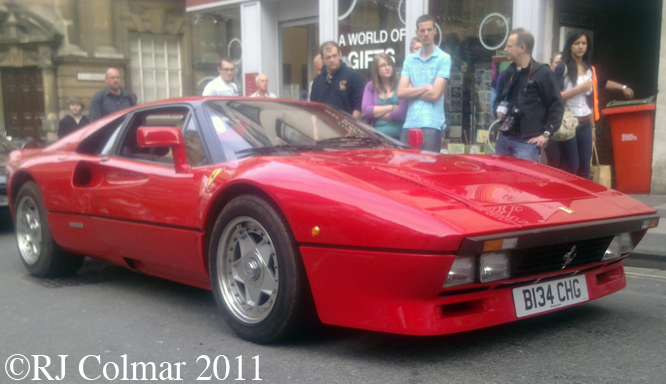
337, 84
424, 76
111, 99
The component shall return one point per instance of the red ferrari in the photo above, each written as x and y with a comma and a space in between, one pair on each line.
287, 210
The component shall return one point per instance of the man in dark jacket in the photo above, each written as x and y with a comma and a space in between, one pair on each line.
528, 101
337, 84
111, 99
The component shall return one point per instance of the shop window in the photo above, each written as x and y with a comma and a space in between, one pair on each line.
215, 35
155, 67
475, 62
369, 27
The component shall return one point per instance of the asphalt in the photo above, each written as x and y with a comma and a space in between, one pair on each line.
651, 251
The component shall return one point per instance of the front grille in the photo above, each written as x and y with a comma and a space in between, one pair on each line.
551, 257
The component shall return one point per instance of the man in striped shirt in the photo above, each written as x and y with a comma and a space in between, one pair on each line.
424, 76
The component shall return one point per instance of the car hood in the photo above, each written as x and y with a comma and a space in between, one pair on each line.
474, 180
505, 189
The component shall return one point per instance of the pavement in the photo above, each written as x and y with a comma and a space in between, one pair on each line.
651, 251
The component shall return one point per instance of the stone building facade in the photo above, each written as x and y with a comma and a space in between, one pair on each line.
51, 50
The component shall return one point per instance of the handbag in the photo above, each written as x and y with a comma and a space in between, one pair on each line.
567, 130
600, 174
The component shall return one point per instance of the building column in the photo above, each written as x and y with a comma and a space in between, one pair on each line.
659, 146
413, 10
328, 21
250, 15
51, 107
535, 16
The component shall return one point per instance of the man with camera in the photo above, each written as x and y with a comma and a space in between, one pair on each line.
528, 101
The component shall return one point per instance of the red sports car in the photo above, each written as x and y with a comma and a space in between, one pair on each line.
287, 210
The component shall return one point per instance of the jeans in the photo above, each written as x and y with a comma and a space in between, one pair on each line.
575, 154
516, 147
432, 138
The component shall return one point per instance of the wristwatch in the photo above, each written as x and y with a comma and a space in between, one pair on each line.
546, 134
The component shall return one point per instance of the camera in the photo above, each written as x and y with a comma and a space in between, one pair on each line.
511, 115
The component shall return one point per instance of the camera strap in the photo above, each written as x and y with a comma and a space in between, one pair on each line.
505, 94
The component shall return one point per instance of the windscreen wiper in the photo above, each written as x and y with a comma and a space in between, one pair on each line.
349, 141
276, 149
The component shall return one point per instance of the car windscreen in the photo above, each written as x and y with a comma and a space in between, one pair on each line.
259, 127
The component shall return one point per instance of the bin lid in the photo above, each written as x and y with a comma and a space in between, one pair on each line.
628, 109
625, 103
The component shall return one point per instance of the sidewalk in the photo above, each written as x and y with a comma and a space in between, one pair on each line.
651, 251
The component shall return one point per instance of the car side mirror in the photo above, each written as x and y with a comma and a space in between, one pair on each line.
165, 137
415, 138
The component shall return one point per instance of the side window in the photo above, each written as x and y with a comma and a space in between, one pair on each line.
196, 154
100, 142
129, 147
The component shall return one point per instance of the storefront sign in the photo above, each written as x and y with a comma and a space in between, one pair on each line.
90, 76
360, 58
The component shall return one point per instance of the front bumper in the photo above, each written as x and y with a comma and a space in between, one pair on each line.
402, 293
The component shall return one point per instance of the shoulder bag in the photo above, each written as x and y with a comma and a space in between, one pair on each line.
567, 130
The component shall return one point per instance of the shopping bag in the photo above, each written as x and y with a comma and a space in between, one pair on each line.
601, 174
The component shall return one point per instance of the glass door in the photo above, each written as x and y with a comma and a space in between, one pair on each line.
299, 42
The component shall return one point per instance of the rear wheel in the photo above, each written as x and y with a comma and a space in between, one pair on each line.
256, 271
39, 252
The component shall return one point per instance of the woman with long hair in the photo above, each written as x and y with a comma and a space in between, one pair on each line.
579, 91
380, 99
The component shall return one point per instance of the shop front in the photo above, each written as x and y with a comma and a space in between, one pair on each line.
280, 38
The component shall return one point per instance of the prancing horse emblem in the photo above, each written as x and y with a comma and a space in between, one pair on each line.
568, 257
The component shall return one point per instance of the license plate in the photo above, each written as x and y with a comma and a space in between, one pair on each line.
543, 297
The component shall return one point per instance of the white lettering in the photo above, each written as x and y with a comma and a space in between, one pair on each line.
383, 36
363, 59
82, 362
42, 368
353, 38
629, 137
342, 40
353, 59
395, 35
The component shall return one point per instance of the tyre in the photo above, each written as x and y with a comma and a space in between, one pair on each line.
39, 252
257, 274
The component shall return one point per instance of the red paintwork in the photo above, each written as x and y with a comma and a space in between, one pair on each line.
390, 221
398, 292
165, 136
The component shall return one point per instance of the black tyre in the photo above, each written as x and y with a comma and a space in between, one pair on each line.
39, 252
256, 272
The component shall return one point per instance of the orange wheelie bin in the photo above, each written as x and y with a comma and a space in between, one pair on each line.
632, 130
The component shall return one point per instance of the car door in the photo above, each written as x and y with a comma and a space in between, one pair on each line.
147, 213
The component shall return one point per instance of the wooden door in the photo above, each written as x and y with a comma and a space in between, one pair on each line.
23, 99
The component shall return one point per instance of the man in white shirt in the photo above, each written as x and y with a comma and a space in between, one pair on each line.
262, 88
223, 85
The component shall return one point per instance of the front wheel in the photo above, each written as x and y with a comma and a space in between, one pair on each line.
39, 252
257, 275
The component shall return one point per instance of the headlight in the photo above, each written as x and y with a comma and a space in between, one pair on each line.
462, 272
494, 266
620, 245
